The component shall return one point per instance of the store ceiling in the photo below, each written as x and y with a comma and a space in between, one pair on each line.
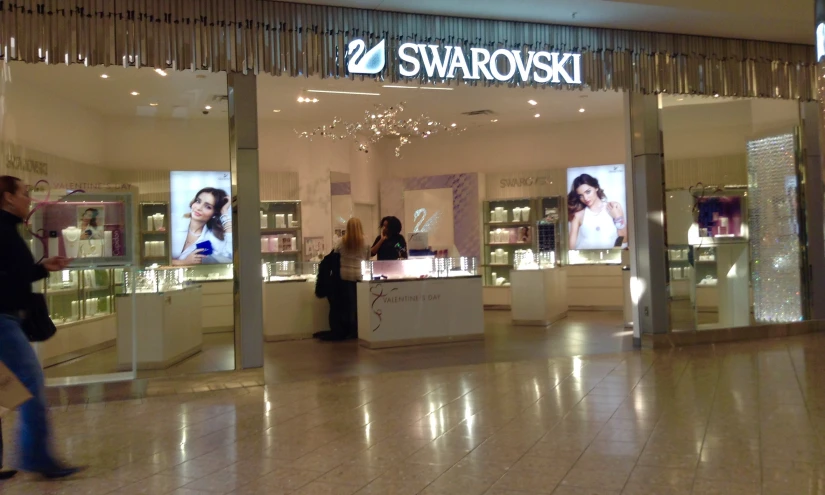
184, 95
789, 21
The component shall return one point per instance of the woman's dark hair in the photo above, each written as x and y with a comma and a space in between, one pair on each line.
574, 203
393, 226
214, 223
93, 220
8, 184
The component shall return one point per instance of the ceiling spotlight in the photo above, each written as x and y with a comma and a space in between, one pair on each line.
153, 104
277, 111
533, 102
716, 95
494, 120
453, 125
207, 107
537, 115
300, 99
581, 110
315, 100
429, 123
104, 76
680, 99
134, 93
161, 72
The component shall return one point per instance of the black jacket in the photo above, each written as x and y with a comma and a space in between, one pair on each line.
17, 267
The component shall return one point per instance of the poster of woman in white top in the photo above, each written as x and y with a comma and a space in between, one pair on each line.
596, 207
201, 214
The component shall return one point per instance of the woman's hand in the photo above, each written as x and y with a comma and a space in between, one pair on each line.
195, 258
614, 209
55, 263
226, 208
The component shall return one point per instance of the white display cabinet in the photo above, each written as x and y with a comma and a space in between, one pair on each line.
291, 310
167, 312
419, 301
539, 291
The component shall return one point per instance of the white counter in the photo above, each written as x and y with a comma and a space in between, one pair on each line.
539, 296
292, 312
394, 313
168, 327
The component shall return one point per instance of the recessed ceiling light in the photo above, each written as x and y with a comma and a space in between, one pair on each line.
494, 120
533, 102
153, 104
537, 115
315, 100
134, 93
161, 72
437, 89
277, 111
342, 92
207, 107
581, 110
104, 76
453, 125
680, 99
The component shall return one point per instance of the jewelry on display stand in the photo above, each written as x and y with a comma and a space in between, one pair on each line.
71, 241
158, 220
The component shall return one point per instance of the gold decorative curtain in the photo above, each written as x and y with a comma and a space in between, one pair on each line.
291, 39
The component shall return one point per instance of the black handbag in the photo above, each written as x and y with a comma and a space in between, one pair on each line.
37, 324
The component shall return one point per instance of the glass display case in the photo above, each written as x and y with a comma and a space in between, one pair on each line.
516, 229
595, 257
76, 295
92, 229
154, 280
418, 268
281, 231
289, 271
154, 233
209, 273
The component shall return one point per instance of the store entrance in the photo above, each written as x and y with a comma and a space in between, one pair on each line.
485, 181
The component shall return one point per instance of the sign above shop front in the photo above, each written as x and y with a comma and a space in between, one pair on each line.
445, 63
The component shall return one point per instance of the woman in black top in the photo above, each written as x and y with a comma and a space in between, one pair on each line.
390, 245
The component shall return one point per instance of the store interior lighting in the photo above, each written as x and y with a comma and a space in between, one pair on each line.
395, 86
361, 93
533, 102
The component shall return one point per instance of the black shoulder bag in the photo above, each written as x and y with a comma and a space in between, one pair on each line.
37, 324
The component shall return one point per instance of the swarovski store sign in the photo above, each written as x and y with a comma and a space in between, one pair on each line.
445, 62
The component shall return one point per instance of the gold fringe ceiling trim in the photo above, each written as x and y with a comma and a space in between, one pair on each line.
288, 39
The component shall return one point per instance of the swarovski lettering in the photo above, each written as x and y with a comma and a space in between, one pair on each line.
502, 65
524, 182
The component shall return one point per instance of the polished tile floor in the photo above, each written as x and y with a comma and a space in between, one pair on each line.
744, 418
580, 333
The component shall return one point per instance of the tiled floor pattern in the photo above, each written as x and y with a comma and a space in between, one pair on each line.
745, 418
579, 334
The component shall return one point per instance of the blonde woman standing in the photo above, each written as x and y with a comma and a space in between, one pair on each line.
353, 250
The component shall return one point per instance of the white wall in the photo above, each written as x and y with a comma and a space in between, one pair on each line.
492, 149
34, 119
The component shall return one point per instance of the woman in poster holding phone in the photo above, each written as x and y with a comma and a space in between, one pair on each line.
207, 237
595, 222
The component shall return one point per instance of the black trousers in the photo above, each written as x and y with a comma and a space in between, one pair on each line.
343, 310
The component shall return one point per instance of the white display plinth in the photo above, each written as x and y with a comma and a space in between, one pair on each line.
419, 311
218, 306
539, 296
292, 312
76, 339
167, 324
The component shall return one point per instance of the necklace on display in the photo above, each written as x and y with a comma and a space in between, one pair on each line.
71, 234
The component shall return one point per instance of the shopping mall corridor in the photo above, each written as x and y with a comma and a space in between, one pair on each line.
744, 418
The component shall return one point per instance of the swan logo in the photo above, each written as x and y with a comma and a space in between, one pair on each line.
362, 61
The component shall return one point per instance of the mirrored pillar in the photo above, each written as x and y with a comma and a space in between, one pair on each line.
243, 149
649, 284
